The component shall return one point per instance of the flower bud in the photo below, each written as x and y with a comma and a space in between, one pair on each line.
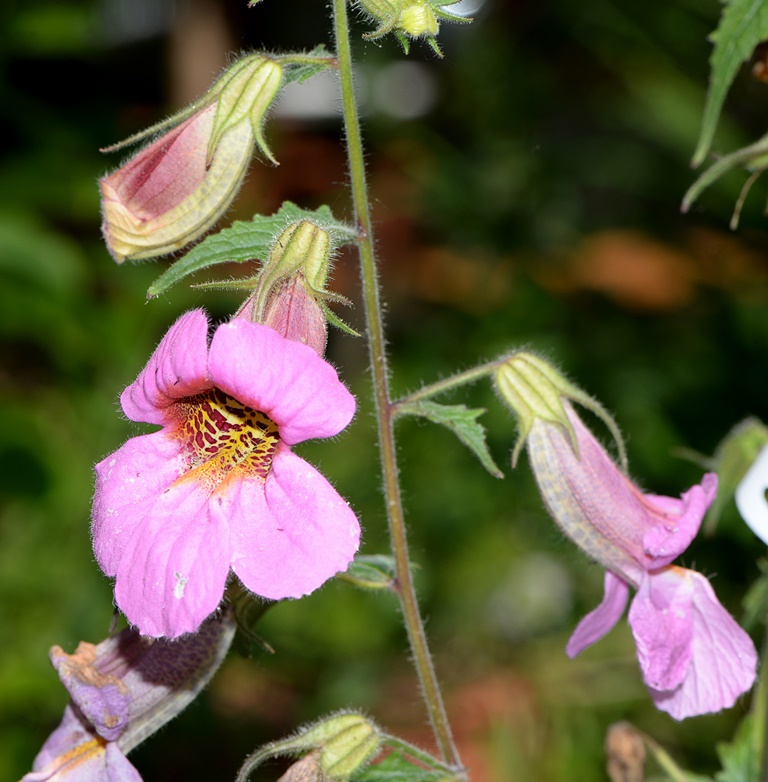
294, 313
408, 19
290, 289
417, 20
176, 188
346, 743
335, 748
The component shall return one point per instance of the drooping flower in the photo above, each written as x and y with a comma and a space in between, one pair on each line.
218, 487
122, 690
176, 188
694, 657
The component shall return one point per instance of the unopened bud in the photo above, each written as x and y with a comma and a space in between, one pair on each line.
291, 287
346, 743
294, 313
335, 748
418, 19
175, 189
302, 247
409, 19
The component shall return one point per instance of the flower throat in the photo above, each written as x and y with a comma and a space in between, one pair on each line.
223, 434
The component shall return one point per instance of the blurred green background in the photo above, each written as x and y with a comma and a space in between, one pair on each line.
526, 191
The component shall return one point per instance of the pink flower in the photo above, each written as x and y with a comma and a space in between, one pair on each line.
694, 657
218, 487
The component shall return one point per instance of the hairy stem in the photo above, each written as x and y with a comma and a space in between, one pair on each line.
449, 383
405, 588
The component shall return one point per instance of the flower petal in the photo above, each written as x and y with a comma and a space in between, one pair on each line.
69, 734
166, 172
286, 380
721, 660
177, 368
74, 754
290, 534
174, 567
603, 619
101, 698
668, 539
128, 483
661, 617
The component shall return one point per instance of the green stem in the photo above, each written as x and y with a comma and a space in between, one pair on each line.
454, 381
406, 748
406, 592
307, 59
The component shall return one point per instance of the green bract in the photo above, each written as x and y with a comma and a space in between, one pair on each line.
409, 19
534, 389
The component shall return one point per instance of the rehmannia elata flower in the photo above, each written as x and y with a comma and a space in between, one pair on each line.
694, 657
175, 189
218, 488
122, 691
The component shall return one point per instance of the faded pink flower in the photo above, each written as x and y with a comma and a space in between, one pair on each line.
122, 691
694, 657
218, 486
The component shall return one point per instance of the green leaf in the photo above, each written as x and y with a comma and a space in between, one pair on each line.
740, 758
373, 571
247, 241
397, 768
462, 421
743, 25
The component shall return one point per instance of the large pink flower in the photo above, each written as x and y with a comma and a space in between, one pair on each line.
694, 656
218, 487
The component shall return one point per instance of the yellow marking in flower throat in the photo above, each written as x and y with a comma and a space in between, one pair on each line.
223, 435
